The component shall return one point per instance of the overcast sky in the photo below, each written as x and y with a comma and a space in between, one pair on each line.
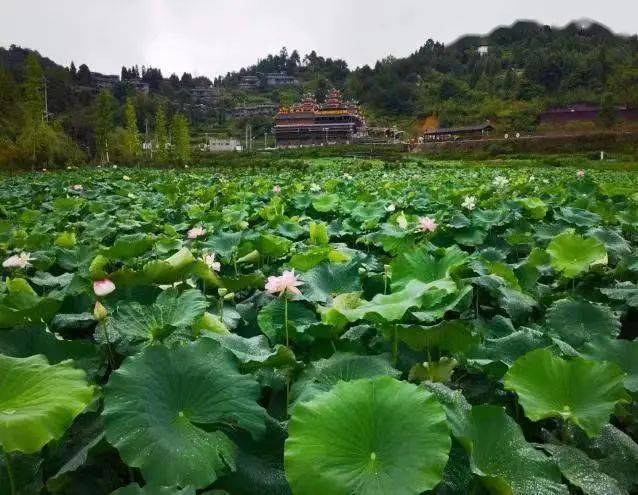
211, 37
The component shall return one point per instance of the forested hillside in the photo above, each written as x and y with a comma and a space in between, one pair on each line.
508, 76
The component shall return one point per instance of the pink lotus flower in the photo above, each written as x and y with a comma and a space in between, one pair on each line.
427, 224
288, 282
580, 174
17, 261
103, 287
196, 232
276, 189
209, 259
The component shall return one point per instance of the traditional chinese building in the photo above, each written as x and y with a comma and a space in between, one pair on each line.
310, 123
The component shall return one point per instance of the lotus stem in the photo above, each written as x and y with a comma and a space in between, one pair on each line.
286, 318
12, 481
395, 345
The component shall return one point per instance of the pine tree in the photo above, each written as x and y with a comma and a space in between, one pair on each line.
132, 142
106, 105
161, 135
73, 70
181, 139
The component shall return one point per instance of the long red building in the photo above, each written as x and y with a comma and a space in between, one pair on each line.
310, 123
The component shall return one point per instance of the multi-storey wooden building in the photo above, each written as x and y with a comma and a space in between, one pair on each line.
310, 124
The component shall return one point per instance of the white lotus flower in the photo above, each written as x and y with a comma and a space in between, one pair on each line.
315, 187
500, 181
469, 202
391, 208
209, 259
196, 232
21, 260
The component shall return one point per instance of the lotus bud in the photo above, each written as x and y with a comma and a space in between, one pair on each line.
229, 296
222, 292
362, 271
99, 311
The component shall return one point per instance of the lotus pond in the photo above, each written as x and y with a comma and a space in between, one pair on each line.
328, 327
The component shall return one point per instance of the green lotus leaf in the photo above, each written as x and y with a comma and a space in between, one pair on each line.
456, 407
27, 474
224, 243
623, 291
273, 246
622, 352
38, 401
325, 202
506, 463
580, 321
255, 351
572, 254
129, 246
423, 266
617, 455
21, 305
577, 216
583, 472
320, 376
535, 206
367, 437
326, 280
391, 307
271, 319
29, 341
82, 439
616, 245
470, 236
453, 336
244, 282
171, 269
171, 312
456, 302
517, 304
583, 392
66, 240
290, 230
170, 404
260, 463
135, 489
509, 348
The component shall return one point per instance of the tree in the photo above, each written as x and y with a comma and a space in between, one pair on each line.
84, 75
105, 112
187, 80
174, 80
132, 141
73, 70
33, 100
181, 139
161, 135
